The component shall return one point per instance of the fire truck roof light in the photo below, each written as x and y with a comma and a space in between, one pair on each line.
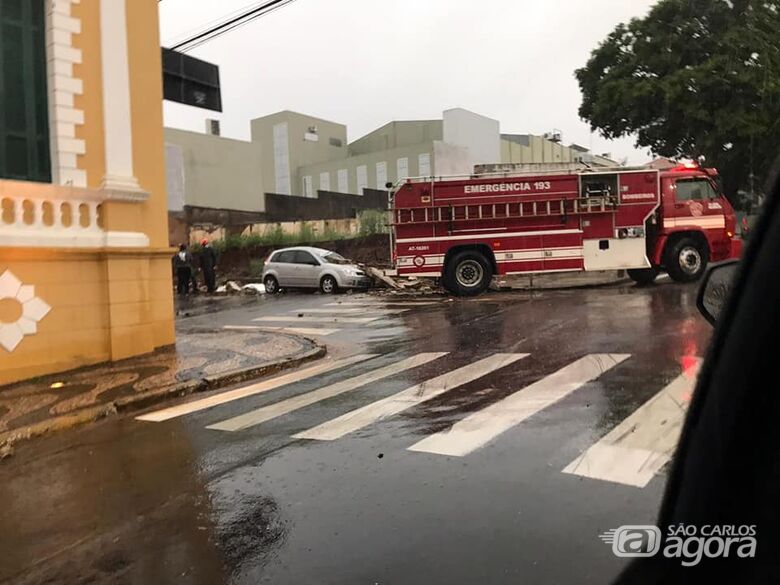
688, 166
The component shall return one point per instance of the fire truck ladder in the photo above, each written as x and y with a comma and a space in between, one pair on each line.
515, 210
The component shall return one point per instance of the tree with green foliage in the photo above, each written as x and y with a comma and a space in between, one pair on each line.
693, 78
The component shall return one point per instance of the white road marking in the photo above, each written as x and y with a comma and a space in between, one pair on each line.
483, 426
361, 417
352, 310
260, 415
299, 330
251, 390
635, 450
318, 319
374, 303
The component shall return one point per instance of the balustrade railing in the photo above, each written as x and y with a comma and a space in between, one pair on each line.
39, 214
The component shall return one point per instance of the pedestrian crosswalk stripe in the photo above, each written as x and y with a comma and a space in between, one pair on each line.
299, 330
361, 417
251, 390
321, 319
266, 413
635, 450
377, 303
476, 430
352, 310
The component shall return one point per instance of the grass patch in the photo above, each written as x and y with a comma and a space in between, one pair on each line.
372, 221
275, 237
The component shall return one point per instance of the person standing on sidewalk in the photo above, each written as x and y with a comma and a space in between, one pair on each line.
182, 265
208, 264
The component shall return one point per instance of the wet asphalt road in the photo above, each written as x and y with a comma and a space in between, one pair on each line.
129, 501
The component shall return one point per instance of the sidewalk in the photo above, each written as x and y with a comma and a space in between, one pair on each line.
201, 360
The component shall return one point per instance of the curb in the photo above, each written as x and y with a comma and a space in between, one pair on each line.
566, 287
150, 397
571, 286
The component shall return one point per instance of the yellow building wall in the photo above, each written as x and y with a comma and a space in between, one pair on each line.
91, 100
106, 303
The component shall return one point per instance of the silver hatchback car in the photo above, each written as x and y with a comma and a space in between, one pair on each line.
306, 267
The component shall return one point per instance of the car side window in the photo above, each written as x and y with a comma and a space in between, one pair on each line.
303, 257
283, 257
694, 190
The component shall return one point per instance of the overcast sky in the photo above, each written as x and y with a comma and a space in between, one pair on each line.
366, 62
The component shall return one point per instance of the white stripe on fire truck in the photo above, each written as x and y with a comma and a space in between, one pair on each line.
483, 426
501, 253
489, 195
482, 236
700, 222
704, 222
517, 255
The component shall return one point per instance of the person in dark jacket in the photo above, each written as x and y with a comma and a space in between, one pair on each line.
208, 264
182, 265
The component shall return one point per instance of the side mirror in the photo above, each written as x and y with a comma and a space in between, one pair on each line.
716, 288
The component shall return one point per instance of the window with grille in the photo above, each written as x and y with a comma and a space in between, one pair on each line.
24, 116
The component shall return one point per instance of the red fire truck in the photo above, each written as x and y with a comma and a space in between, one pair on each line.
465, 230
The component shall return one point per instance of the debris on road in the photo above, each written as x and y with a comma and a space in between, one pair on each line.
397, 285
232, 287
253, 288
377, 274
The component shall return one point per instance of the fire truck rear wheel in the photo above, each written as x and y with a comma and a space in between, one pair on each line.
468, 273
686, 260
643, 276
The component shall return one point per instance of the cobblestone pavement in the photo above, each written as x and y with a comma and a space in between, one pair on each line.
197, 355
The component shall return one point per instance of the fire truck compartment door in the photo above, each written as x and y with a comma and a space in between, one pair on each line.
562, 251
615, 254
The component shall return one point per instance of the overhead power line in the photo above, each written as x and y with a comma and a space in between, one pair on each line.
230, 23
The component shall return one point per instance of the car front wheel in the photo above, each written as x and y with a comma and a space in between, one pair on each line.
271, 285
328, 285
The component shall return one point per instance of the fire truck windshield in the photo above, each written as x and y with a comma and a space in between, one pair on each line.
692, 189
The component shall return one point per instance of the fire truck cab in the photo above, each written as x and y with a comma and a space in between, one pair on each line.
465, 230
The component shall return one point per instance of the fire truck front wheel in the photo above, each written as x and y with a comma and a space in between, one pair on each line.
686, 259
467, 273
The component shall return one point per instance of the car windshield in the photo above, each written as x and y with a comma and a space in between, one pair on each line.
333, 258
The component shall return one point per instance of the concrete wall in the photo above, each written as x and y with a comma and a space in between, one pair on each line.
479, 135
215, 171
527, 148
397, 135
451, 160
320, 227
325, 206
287, 140
389, 157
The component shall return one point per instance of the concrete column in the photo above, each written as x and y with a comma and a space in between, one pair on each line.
119, 179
